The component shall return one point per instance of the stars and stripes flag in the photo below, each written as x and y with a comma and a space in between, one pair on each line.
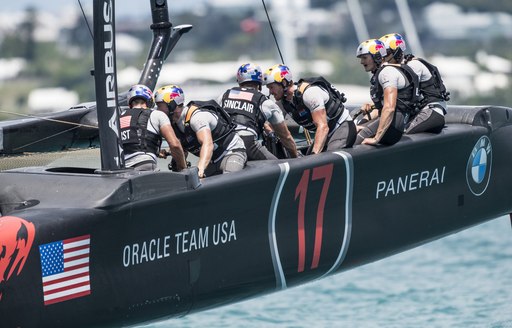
65, 269
124, 121
240, 95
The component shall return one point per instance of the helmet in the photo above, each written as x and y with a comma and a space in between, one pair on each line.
373, 47
249, 72
393, 42
277, 73
143, 92
172, 95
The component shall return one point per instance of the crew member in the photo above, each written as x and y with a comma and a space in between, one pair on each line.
433, 105
250, 109
142, 130
395, 94
314, 104
206, 131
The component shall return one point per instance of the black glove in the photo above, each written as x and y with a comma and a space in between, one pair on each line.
173, 166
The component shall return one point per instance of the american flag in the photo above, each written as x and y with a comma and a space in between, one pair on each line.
65, 269
240, 95
124, 121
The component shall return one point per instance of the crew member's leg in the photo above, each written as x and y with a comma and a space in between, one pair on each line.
255, 150
367, 132
233, 162
343, 137
427, 120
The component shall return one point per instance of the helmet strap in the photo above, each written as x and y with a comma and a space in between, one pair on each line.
397, 55
172, 107
286, 87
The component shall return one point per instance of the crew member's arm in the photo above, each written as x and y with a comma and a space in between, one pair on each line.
174, 146
386, 116
314, 99
322, 130
365, 110
368, 109
267, 128
204, 136
286, 138
275, 122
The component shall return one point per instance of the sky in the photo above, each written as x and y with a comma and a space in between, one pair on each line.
127, 8
123, 7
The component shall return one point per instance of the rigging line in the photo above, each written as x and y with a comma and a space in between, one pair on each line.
50, 119
85, 18
273, 33
43, 139
306, 132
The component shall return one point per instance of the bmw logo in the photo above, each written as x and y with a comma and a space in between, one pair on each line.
478, 170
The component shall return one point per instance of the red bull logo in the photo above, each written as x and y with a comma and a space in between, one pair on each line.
393, 41
378, 47
16, 238
398, 42
284, 71
175, 94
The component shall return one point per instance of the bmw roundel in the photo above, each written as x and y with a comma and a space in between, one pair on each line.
478, 170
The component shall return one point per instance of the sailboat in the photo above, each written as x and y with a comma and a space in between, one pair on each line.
111, 246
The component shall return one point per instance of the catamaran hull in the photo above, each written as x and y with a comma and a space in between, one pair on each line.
156, 245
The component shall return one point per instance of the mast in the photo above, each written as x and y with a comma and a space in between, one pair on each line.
164, 40
354, 8
287, 28
410, 28
105, 78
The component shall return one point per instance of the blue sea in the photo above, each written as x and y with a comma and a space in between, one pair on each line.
463, 280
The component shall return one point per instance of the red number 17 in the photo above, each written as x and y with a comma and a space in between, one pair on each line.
321, 172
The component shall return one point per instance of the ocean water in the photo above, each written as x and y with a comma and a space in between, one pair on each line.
463, 280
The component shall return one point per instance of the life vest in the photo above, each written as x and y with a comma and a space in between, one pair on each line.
135, 136
302, 115
243, 105
222, 135
433, 90
408, 98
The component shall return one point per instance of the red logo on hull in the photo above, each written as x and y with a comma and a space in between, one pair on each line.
16, 238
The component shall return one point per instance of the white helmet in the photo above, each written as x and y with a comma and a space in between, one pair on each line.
172, 95
277, 74
373, 47
249, 73
395, 44
142, 92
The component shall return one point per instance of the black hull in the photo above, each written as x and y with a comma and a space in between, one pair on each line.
73, 128
163, 245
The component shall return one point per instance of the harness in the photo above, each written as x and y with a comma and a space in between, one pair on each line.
135, 137
433, 89
244, 106
222, 134
302, 115
408, 98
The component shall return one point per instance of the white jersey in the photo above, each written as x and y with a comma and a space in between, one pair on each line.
315, 98
207, 120
424, 75
420, 69
390, 76
272, 112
